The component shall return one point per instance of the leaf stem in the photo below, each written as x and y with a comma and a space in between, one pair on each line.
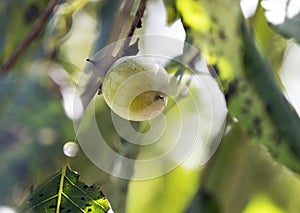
61, 185
33, 34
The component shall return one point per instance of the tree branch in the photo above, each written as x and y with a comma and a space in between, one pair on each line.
139, 14
33, 34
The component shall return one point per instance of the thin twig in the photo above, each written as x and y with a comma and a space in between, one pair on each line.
139, 14
33, 34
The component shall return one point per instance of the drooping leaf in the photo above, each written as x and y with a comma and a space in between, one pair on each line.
252, 94
284, 17
172, 13
268, 42
63, 192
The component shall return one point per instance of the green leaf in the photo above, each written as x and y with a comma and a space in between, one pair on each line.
252, 94
63, 192
266, 37
172, 13
5, 7
289, 27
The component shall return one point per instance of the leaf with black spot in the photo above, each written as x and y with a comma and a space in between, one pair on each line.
63, 192
253, 95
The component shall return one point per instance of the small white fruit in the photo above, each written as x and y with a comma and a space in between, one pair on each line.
135, 88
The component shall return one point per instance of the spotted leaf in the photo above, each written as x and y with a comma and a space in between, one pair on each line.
63, 192
253, 96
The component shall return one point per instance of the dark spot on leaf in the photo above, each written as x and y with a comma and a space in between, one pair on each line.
61, 208
69, 210
88, 205
248, 101
257, 121
82, 198
245, 110
268, 107
222, 35
214, 19
259, 131
32, 13
101, 193
212, 41
231, 89
41, 195
52, 206
89, 210
85, 186
257, 126
91, 187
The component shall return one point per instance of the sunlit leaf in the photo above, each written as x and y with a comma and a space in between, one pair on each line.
253, 96
172, 13
261, 204
270, 44
63, 192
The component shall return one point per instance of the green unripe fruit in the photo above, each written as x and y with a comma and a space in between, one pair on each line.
135, 88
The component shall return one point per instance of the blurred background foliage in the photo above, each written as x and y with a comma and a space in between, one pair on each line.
241, 176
